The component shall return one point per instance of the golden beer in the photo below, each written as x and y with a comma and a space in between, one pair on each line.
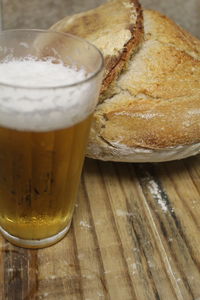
39, 178
49, 87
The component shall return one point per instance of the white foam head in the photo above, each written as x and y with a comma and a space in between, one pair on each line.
43, 96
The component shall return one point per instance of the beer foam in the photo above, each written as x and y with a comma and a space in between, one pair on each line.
43, 73
36, 95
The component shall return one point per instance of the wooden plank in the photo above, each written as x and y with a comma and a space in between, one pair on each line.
15, 272
32, 273
58, 271
88, 252
153, 277
107, 236
176, 239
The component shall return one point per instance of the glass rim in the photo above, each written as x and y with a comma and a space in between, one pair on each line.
45, 31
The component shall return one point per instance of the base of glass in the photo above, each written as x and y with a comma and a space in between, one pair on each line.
35, 243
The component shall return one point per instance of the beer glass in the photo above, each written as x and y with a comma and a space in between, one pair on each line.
43, 135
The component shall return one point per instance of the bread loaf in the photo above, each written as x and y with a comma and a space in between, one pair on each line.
152, 111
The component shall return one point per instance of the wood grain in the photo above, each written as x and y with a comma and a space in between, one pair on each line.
135, 235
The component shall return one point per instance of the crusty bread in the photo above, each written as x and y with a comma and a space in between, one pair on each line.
115, 27
152, 112
155, 111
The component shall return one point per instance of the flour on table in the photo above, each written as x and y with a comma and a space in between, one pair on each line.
156, 192
123, 213
85, 224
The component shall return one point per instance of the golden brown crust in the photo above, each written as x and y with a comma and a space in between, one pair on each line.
141, 123
120, 18
157, 99
151, 112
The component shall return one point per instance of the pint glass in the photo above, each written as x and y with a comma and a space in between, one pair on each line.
43, 135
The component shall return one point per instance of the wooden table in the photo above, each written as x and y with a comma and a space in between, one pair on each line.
135, 236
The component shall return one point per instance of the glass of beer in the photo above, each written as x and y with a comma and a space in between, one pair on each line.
49, 87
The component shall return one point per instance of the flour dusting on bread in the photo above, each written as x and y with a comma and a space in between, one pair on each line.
156, 102
150, 99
